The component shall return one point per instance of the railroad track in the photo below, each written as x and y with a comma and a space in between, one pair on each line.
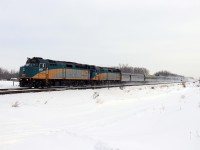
63, 88
33, 90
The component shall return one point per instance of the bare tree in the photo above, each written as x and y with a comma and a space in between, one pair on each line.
125, 68
143, 71
165, 73
6, 75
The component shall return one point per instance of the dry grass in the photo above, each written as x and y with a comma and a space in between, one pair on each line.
16, 104
184, 84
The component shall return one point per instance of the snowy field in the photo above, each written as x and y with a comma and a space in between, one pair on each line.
163, 117
8, 84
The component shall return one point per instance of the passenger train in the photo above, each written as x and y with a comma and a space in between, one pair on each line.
39, 72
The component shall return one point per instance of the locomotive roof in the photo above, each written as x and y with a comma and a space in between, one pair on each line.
63, 62
74, 63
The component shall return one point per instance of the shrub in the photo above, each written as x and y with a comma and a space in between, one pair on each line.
16, 104
121, 87
184, 84
95, 95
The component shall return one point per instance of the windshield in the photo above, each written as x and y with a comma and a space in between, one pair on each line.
32, 63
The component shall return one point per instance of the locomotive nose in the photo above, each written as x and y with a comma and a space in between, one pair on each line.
23, 72
28, 71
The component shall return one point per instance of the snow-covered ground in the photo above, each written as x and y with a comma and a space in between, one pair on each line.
8, 84
163, 117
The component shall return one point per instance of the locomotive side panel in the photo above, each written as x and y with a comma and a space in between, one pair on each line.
81, 74
114, 76
68, 74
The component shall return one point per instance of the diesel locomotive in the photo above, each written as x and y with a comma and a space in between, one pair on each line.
39, 72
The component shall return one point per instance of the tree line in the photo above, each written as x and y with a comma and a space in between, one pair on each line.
166, 73
7, 75
125, 68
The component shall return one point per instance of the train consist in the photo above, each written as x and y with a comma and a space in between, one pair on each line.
39, 72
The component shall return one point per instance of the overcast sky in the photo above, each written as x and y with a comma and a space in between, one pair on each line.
156, 34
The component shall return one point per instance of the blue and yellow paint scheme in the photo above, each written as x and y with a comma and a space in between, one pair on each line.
40, 72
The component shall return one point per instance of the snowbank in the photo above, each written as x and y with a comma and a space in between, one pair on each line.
8, 84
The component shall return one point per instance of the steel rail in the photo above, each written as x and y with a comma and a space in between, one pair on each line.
63, 88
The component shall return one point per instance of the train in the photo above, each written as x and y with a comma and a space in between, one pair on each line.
40, 73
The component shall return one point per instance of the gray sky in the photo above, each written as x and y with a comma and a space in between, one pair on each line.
156, 34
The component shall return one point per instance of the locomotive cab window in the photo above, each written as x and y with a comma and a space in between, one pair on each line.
53, 64
43, 65
32, 64
69, 66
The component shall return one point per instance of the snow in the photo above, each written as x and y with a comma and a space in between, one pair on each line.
134, 118
8, 84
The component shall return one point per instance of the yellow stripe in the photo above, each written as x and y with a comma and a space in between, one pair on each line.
50, 74
103, 76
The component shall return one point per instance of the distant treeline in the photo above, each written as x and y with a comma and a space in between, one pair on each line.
166, 73
140, 70
134, 70
7, 75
